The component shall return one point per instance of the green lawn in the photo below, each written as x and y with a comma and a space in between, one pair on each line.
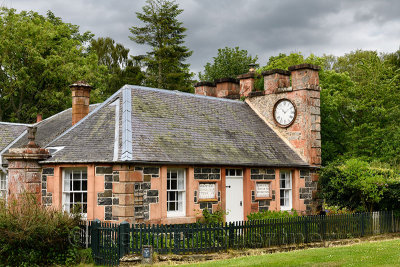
382, 253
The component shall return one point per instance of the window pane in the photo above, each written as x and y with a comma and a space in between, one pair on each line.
174, 185
239, 172
76, 175
84, 175
77, 186
174, 175
84, 185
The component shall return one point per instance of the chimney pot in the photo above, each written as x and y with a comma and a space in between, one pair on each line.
38, 117
80, 100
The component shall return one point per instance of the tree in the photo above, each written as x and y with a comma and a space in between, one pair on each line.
122, 69
229, 62
165, 35
360, 186
39, 57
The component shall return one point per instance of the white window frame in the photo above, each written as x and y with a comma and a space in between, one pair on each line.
66, 203
3, 185
179, 191
285, 189
230, 172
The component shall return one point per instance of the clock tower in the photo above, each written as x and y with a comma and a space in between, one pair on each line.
293, 111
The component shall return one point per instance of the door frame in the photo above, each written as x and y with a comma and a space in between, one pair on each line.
238, 175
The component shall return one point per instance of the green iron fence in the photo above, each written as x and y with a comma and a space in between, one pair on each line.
110, 242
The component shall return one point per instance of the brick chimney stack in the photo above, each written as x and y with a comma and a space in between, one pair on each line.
205, 88
247, 81
80, 100
39, 117
305, 76
227, 87
274, 79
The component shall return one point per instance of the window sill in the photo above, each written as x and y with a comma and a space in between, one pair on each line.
208, 200
263, 198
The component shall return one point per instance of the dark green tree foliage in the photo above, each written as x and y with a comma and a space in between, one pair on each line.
229, 62
122, 69
164, 33
39, 57
360, 186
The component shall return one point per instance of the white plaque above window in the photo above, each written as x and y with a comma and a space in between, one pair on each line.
207, 190
262, 190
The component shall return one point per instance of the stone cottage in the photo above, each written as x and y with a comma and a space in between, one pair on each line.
158, 156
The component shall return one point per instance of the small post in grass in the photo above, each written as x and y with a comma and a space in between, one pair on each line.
147, 254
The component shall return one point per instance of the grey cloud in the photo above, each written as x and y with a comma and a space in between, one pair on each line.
264, 28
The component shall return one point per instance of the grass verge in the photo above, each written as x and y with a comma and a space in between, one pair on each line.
381, 253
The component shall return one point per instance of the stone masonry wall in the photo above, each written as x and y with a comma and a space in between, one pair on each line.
306, 192
261, 174
207, 174
304, 134
128, 195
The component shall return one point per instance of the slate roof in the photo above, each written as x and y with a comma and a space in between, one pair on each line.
9, 132
140, 124
51, 128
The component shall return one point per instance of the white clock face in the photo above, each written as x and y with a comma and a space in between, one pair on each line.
284, 113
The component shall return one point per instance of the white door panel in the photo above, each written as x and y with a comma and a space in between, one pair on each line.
234, 199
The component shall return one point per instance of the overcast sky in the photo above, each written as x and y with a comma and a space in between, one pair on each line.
264, 28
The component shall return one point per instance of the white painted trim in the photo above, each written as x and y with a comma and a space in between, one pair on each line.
105, 103
116, 130
289, 207
15, 124
126, 153
10, 145
171, 214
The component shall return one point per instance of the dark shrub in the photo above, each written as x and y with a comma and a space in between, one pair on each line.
33, 235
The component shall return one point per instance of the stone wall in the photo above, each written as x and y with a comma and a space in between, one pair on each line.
306, 193
128, 195
261, 175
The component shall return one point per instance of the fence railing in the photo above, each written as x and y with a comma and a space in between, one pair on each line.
110, 242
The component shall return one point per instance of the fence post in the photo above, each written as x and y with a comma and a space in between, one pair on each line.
123, 238
231, 235
306, 230
362, 224
176, 239
95, 238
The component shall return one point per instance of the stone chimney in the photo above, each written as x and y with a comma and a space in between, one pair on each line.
305, 76
247, 82
80, 100
226, 87
274, 79
38, 118
303, 133
205, 88
24, 171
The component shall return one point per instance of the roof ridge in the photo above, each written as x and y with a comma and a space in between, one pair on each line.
108, 100
176, 92
15, 123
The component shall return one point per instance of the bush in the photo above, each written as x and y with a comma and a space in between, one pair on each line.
33, 235
268, 214
360, 186
212, 217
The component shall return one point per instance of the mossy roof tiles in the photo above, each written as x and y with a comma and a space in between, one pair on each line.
176, 128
